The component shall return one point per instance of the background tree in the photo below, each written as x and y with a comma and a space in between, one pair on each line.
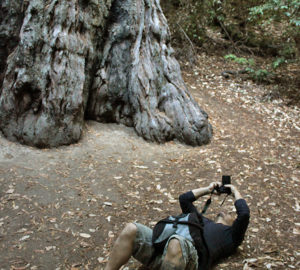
93, 59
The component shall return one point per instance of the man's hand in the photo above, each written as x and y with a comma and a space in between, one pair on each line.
213, 185
234, 191
198, 192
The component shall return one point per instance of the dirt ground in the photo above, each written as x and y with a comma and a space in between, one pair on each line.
63, 208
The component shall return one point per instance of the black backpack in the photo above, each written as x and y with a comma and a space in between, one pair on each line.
189, 226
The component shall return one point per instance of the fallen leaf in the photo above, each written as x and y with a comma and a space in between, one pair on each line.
85, 235
107, 203
296, 231
102, 260
141, 167
84, 244
50, 248
24, 238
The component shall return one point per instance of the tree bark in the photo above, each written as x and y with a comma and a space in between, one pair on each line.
93, 59
11, 18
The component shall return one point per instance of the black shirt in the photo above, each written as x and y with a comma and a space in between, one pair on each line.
221, 240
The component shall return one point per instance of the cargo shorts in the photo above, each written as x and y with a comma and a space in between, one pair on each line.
143, 250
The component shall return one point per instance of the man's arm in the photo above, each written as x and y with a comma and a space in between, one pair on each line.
240, 225
236, 194
199, 192
186, 199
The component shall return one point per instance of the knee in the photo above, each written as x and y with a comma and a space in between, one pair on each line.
174, 249
129, 231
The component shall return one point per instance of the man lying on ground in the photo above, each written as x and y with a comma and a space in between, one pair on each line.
218, 240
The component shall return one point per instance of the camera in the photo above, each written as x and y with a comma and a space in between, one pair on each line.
226, 180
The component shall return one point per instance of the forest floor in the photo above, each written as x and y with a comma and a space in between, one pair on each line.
63, 208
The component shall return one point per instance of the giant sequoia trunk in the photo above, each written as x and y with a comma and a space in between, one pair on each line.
70, 60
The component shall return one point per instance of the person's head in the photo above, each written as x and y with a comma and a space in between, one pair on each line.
224, 218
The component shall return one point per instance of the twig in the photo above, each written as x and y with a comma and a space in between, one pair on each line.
227, 34
185, 34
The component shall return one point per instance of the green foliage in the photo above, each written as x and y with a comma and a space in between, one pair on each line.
261, 75
256, 74
272, 26
288, 52
240, 60
190, 18
278, 62
187, 20
286, 12
277, 10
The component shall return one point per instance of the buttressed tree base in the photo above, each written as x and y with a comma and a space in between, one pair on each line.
66, 61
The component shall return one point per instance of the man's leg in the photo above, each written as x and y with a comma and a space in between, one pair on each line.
174, 259
123, 248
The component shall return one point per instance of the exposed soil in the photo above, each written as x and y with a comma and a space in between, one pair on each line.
63, 208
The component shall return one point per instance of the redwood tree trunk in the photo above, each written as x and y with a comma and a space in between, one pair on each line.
93, 59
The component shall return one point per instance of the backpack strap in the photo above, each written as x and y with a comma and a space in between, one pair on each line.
176, 221
207, 204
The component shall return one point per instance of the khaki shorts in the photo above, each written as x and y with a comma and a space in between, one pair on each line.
143, 250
